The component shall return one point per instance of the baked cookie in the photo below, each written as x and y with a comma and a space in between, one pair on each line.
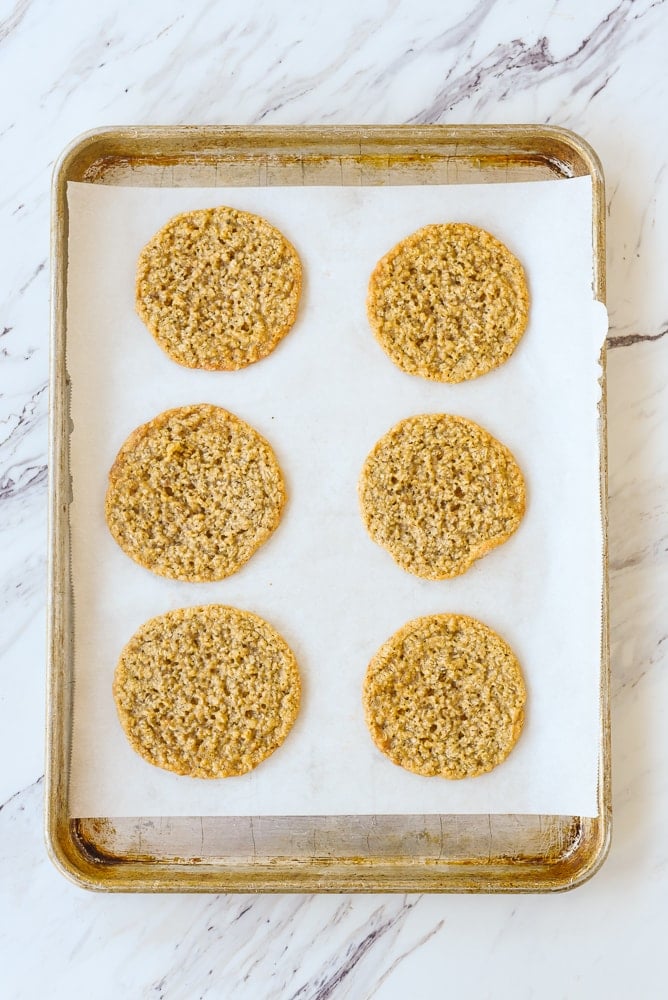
194, 493
218, 288
448, 303
438, 492
209, 692
445, 696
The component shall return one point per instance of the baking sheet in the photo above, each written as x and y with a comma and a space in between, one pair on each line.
322, 399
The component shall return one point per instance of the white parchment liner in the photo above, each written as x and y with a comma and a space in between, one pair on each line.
322, 399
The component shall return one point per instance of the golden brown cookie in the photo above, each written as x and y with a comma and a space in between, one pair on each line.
445, 696
209, 692
450, 302
194, 493
438, 492
218, 288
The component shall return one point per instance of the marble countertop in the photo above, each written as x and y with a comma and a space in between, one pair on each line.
597, 68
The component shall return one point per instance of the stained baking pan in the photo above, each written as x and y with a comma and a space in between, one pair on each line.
474, 853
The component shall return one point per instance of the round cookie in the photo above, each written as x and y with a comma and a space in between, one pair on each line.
218, 288
449, 303
444, 696
208, 692
438, 492
194, 493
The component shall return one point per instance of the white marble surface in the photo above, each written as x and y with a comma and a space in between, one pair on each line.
598, 68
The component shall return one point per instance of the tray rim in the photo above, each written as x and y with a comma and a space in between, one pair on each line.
64, 844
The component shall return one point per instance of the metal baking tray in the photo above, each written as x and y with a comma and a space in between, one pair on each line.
433, 853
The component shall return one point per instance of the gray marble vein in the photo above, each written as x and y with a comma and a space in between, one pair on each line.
629, 339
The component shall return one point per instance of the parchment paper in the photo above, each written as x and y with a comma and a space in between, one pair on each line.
322, 399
